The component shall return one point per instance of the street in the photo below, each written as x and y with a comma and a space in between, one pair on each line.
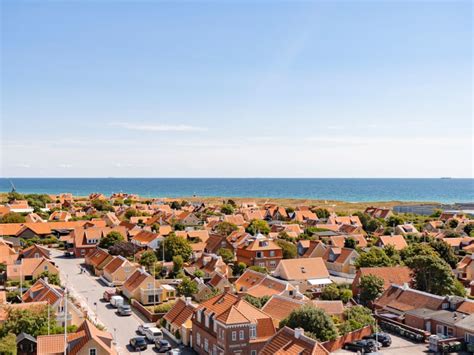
88, 291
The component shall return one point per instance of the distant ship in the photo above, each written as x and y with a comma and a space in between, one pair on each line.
446, 177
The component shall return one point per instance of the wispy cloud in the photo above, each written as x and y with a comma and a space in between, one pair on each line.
158, 127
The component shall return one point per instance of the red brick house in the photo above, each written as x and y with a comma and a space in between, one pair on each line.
226, 324
259, 251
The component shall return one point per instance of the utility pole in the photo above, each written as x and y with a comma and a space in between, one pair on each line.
65, 320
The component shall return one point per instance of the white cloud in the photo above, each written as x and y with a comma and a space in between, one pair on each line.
158, 127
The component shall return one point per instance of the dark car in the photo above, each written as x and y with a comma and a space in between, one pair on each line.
364, 346
162, 345
138, 343
382, 338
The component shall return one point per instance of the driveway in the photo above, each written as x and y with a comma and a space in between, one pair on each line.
88, 291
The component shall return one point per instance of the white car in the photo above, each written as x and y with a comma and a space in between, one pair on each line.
153, 334
143, 327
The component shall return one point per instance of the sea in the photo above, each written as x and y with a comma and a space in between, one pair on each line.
442, 190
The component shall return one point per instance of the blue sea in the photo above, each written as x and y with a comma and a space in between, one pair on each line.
352, 190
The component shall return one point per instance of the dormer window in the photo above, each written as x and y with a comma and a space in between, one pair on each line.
259, 254
198, 315
206, 320
253, 331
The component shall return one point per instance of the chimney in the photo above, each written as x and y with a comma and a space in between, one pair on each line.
46, 280
226, 289
188, 301
299, 332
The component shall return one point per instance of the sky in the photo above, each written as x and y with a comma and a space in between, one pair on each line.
236, 89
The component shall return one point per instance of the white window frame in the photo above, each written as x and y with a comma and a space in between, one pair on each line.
272, 252
241, 335
206, 320
206, 344
253, 331
198, 339
92, 351
234, 335
214, 326
253, 352
198, 316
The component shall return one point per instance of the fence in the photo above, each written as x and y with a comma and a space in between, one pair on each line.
151, 317
333, 345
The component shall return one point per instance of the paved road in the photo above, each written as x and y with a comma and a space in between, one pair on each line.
88, 291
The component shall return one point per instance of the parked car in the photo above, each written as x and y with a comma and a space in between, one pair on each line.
138, 343
382, 338
174, 351
143, 327
108, 294
162, 345
124, 310
153, 334
116, 301
364, 346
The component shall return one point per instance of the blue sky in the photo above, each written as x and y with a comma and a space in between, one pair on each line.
234, 88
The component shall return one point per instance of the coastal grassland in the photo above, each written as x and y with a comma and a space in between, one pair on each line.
342, 207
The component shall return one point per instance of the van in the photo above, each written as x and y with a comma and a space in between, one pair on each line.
153, 334
116, 301
108, 295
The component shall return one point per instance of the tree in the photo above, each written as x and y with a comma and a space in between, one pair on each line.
177, 264
31, 321
345, 295
372, 225
257, 302
238, 269
148, 259
375, 257
53, 279
175, 205
258, 226
316, 323
289, 249
330, 292
394, 220
179, 226
453, 223
12, 217
356, 318
131, 212
199, 273
126, 249
102, 205
416, 249
187, 287
445, 251
111, 239
226, 254
8, 344
432, 274
469, 229
226, 228
371, 287
175, 245
322, 213
261, 269
350, 243
227, 209
393, 254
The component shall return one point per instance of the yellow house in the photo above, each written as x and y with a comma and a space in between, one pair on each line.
465, 268
54, 296
117, 271
340, 261
30, 269
143, 287
87, 340
178, 320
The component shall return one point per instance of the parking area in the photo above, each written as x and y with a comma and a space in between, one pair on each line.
88, 291
399, 346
